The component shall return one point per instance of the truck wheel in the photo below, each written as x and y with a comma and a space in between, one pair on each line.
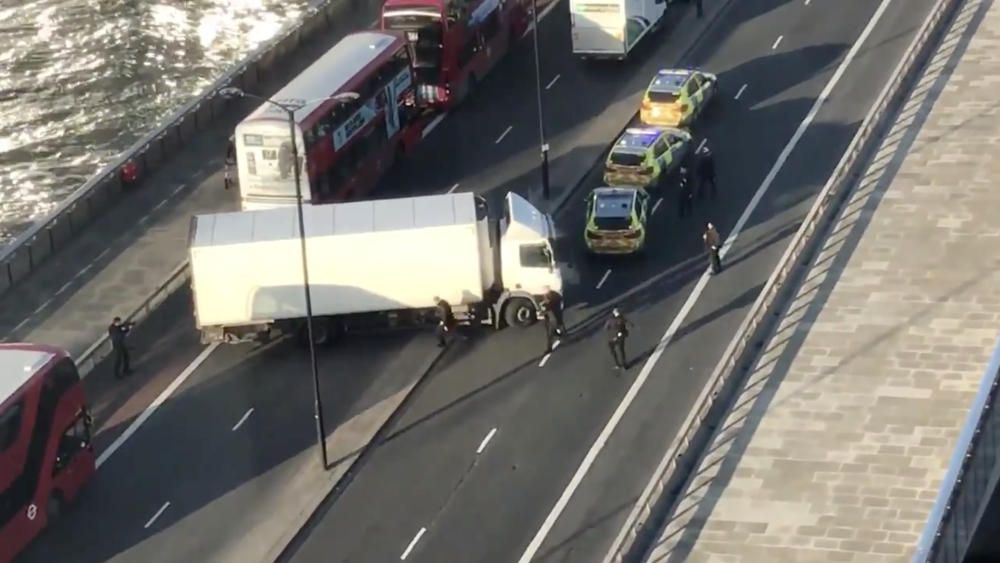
322, 333
520, 312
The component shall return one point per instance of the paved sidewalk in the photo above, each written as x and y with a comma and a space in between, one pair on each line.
836, 446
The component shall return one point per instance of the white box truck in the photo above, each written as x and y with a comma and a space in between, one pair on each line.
370, 264
610, 29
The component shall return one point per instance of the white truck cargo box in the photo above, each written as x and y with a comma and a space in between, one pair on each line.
612, 28
363, 257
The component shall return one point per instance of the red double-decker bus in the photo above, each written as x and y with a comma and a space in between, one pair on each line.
46, 455
357, 114
455, 42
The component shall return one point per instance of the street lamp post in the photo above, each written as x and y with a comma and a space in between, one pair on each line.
317, 397
541, 115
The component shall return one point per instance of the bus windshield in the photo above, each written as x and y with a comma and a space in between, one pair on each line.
412, 18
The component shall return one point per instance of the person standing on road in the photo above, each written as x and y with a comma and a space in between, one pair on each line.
685, 193
552, 318
230, 162
117, 333
617, 328
713, 243
446, 321
706, 174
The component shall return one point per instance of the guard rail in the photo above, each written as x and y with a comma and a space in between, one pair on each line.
44, 238
653, 506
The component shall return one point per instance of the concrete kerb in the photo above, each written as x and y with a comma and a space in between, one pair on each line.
100, 191
636, 538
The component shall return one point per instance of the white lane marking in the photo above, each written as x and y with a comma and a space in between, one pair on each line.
242, 420
143, 219
430, 126
545, 358
701, 145
157, 403
554, 80
161, 204
777, 42
453, 188
486, 440
157, 515
19, 325
541, 16
504, 134
42, 306
65, 286
647, 368
84, 270
101, 255
604, 278
178, 190
413, 543
740, 93
807, 2
656, 205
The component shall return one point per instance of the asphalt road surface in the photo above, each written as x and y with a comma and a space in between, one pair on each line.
428, 475
433, 491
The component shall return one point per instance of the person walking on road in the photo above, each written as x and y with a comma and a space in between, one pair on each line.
706, 174
713, 243
117, 333
552, 307
446, 321
230, 162
617, 328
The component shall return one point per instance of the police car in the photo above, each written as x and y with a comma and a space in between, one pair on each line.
644, 156
675, 97
616, 220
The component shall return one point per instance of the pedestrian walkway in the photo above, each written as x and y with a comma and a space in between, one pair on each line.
837, 444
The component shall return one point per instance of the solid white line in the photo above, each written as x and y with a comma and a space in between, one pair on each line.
545, 358
244, 419
541, 16
504, 134
65, 286
486, 440
656, 205
777, 42
430, 126
604, 278
701, 145
554, 80
740, 93
647, 368
157, 515
453, 188
162, 398
42, 306
413, 543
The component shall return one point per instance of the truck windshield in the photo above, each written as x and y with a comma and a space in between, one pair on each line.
626, 159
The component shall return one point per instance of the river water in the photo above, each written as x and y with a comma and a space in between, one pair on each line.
81, 80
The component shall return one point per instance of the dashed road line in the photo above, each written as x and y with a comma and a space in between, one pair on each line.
157, 515
432, 125
178, 190
243, 419
161, 204
701, 145
554, 80
777, 42
453, 188
604, 278
545, 358
413, 543
740, 93
541, 16
486, 441
656, 205
65, 286
42, 306
504, 134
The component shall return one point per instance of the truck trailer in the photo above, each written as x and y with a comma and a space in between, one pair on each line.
371, 264
610, 29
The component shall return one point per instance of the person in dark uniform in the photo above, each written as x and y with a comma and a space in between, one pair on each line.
230, 162
552, 318
706, 174
713, 243
446, 321
685, 193
617, 327
117, 333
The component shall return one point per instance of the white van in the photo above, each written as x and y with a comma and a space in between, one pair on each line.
610, 29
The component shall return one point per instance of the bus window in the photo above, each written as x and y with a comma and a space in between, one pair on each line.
10, 425
74, 440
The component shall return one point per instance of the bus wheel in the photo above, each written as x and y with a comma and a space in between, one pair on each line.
519, 312
54, 506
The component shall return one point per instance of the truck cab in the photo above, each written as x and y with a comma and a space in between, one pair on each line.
527, 258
